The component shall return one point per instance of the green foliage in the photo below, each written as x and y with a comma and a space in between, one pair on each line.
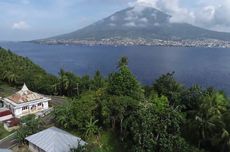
205, 119
70, 85
16, 70
98, 81
91, 128
171, 118
80, 148
167, 118
167, 86
123, 61
29, 125
106, 142
76, 113
67, 84
154, 127
191, 98
124, 83
118, 108
3, 132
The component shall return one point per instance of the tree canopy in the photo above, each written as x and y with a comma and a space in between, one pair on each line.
164, 117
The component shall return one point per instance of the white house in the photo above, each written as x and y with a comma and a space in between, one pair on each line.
53, 140
26, 102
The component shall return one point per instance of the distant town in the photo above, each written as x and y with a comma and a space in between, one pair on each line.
207, 43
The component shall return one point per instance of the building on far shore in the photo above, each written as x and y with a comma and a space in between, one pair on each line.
26, 102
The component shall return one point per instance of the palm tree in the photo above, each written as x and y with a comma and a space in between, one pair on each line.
123, 61
63, 83
91, 127
11, 77
225, 140
62, 114
209, 115
205, 125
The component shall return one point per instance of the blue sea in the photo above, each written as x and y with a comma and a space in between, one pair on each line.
203, 66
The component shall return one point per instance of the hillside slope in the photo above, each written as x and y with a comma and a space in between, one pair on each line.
141, 22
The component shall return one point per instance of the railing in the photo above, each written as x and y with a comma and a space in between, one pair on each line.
7, 137
8, 141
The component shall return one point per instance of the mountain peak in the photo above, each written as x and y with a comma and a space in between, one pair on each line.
138, 16
141, 22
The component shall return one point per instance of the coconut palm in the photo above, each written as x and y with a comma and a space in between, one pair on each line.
91, 127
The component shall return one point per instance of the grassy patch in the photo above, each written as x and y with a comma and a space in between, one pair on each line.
20, 148
107, 141
3, 132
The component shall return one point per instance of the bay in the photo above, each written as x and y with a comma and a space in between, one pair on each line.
203, 66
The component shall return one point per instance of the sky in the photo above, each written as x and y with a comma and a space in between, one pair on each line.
34, 19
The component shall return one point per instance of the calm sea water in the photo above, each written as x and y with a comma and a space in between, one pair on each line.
204, 66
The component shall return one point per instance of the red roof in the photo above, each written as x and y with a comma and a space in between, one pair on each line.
5, 113
12, 122
24, 95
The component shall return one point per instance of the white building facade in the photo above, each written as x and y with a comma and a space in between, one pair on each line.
26, 102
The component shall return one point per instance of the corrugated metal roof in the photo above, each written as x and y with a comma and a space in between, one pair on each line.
5, 150
55, 140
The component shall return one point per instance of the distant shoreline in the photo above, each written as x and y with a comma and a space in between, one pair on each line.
208, 43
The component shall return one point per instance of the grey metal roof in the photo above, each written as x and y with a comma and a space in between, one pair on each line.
5, 150
55, 140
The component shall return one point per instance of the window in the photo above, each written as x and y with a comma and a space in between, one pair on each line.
39, 104
25, 108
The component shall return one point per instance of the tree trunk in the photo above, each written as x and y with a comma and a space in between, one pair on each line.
113, 122
121, 128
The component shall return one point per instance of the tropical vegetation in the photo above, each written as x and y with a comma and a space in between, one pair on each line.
163, 117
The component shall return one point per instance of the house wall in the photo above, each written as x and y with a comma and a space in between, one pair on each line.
46, 105
34, 148
17, 111
6, 118
10, 128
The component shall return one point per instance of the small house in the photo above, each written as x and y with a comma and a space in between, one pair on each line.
26, 102
11, 124
53, 140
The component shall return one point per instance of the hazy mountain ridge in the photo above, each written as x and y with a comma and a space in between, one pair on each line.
144, 23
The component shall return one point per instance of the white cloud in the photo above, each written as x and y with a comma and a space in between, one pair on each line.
150, 3
130, 24
156, 24
172, 7
144, 20
130, 16
113, 18
206, 15
214, 16
112, 24
210, 14
21, 25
